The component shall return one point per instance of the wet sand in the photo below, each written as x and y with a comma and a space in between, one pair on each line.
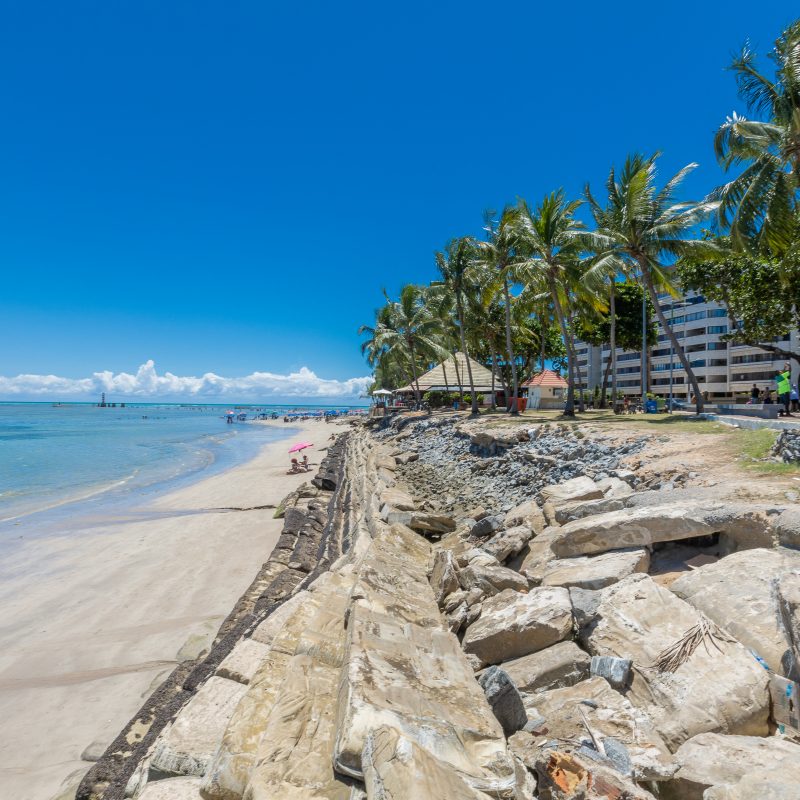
90, 623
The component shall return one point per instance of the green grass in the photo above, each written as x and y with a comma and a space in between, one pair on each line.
755, 444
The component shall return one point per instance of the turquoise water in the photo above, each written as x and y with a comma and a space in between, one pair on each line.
52, 455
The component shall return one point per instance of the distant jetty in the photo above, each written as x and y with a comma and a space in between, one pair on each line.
104, 404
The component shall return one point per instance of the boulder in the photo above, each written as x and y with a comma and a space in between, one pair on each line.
397, 499
491, 579
596, 572
786, 527
609, 715
586, 508
571, 491
719, 687
444, 577
407, 458
397, 768
739, 594
172, 789
477, 513
617, 671
504, 699
509, 542
528, 514
514, 624
422, 522
789, 609
188, 745
538, 554
761, 784
486, 526
568, 776
614, 488
563, 664
710, 759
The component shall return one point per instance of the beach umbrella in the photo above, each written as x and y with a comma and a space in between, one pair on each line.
301, 446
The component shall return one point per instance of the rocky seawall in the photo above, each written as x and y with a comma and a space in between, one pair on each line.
454, 612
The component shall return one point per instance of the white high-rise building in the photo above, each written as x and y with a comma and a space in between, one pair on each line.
725, 370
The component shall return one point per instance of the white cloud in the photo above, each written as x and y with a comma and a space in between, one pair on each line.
148, 384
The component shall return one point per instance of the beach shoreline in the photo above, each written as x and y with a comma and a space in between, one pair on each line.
91, 623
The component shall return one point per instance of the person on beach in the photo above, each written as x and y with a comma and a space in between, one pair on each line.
795, 398
784, 388
306, 466
295, 468
754, 394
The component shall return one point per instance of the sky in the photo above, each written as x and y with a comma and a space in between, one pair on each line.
204, 199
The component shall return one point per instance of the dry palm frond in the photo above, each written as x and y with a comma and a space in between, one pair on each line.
705, 633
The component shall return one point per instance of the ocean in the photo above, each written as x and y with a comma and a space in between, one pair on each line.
52, 455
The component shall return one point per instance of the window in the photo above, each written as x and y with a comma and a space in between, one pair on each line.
717, 346
717, 329
752, 358
718, 362
664, 351
717, 312
696, 332
695, 315
700, 362
627, 357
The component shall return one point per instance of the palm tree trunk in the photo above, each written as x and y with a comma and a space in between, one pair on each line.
651, 291
604, 390
569, 409
446, 384
414, 370
613, 354
473, 396
510, 348
500, 373
577, 368
458, 378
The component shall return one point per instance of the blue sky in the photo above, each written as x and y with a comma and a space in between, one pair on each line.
226, 187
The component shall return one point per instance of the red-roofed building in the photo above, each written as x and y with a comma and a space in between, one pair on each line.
550, 387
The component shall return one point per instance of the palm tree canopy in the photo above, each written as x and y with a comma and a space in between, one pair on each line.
758, 206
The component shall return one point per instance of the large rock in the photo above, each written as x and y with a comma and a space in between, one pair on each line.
490, 578
761, 784
609, 715
743, 527
789, 608
720, 687
571, 491
528, 514
739, 594
444, 577
397, 768
586, 508
421, 521
596, 572
403, 670
713, 760
509, 542
514, 624
486, 526
172, 789
568, 776
397, 499
188, 745
563, 664
537, 555
244, 661
504, 698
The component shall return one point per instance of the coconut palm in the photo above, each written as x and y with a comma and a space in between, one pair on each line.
551, 241
500, 258
639, 226
758, 206
407, 329
455, 267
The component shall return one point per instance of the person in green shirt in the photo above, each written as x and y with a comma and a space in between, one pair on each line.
783, 379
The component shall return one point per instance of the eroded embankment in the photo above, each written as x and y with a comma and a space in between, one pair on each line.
465, 615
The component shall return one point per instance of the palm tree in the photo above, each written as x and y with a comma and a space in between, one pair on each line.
405, 327
455, 267
639, 225
499, 256
758, 207
551, 242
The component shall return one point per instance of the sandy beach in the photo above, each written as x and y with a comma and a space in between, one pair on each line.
90, 623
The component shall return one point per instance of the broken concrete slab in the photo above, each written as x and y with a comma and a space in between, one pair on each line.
788, 590
719, 687
586, 508
563, 664
596, 572
397, 499
513, 624
739, 593
711, 759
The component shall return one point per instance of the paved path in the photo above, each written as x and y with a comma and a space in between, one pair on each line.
753, 423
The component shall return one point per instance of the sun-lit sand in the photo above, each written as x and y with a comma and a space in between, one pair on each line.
90, 623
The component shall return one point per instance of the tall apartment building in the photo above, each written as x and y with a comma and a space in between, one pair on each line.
725, 370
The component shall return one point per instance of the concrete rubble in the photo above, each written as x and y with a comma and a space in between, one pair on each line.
469, 614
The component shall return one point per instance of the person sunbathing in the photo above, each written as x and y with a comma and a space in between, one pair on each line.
295, 468
306, 466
